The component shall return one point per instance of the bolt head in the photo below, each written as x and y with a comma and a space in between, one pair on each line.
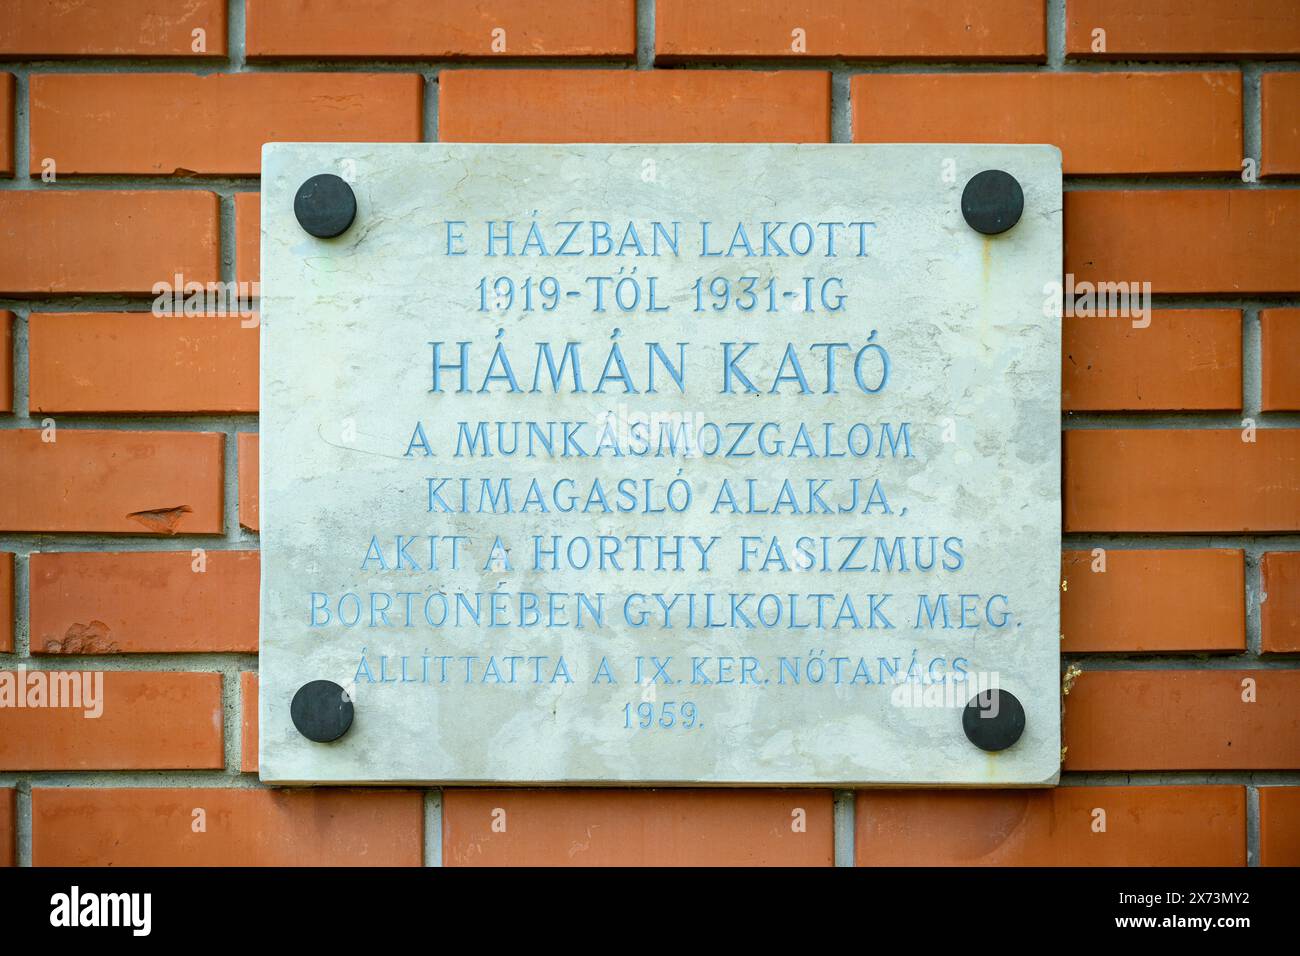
322, 711
325, 206
992, 202
993, 720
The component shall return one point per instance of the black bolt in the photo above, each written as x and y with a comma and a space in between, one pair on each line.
325, 206
993, 720
992, 202
322, 711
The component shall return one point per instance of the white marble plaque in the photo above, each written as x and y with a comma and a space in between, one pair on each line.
660, 464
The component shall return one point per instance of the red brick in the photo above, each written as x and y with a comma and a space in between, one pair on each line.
150, 721
1280, 103
248, 237
138, 362
69, 242
1182, 29
1280, 331
6, 361
1183, 720
1146, 602
1230, 240
636, 828
879, 29
1155, 122
8, 826
1280, 610
6, 602
93, 28
1143, 826
1184, 360
1279, 826
248, 746
144, 602
244, 827
6, 123
1182, 480
249, 507
417, 28
111, 481
181, 124
633, 106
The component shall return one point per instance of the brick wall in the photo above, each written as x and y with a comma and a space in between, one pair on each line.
1184, 726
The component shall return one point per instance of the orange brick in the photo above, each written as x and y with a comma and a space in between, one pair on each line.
633, 106
40, 28
6, 361
1230, 240
249, 507
6, 123
636, 828
1183, 360
1279, 826
1183, 720
8, 826
880, 29
1182, 29
1280, 331
68, 242
244, 827
6, 602
150, 721
1280, 103
1155, 122
144, 602
248, 237
1143, 826
1147, 602
1182, 480
111, 481
248, 746
179, 124
1280, 610
137, 362
417, 28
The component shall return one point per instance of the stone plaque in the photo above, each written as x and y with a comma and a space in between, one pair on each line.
660, 464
